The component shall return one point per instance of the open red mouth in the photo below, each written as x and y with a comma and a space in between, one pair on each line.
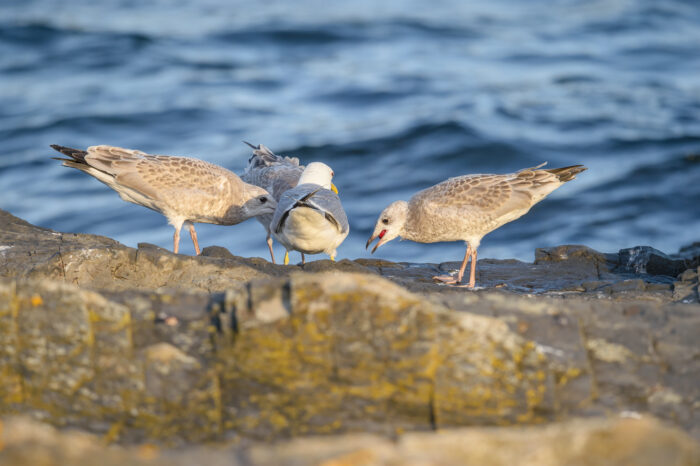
382, 233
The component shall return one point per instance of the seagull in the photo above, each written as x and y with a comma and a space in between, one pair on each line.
309, 218
276, 174
184, 189
465, 208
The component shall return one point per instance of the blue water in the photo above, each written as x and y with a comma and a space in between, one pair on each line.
395, 96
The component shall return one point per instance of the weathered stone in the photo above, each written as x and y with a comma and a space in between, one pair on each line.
689, 275
342, 351
594, 285
647, 260
101, 263
631, 441
628, 285
659, 287
333, 352
685, 292
175, 348
578, 253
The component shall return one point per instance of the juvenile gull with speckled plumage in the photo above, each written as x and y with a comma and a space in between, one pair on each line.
465, 208
184, 189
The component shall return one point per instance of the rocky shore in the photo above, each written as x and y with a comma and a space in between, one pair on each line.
142, 347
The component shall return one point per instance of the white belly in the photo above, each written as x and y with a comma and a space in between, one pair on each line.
307, 230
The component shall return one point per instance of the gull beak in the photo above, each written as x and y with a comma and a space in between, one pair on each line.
379, 243
334, 189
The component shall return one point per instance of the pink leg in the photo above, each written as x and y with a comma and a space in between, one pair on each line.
269, 246
303, 258
449, 279
472, 271
176, 240
193, 234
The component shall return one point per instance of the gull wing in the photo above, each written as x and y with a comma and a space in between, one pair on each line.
314, 197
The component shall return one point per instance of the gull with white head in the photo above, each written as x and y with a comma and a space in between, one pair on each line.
310, 218
185, 190
276, 174
466, 208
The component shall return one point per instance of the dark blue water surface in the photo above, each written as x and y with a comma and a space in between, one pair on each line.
395, 96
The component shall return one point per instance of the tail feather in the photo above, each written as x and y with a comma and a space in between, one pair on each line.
567, 173
76, 155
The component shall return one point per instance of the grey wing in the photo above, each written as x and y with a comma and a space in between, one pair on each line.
328, 202
276, 179
263, 156
264, 164
287, 202
312, 196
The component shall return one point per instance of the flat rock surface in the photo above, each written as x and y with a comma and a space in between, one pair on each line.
101, 263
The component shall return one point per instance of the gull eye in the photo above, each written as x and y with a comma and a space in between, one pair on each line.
385, 221
263, 199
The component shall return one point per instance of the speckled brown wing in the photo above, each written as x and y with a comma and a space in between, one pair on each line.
169, 180
470, 206
475, 193
495, 194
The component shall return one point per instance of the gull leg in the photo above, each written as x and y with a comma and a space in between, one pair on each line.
269, 246
303, 258
472, 271
193, 235
176, 239
286, 257
449, 279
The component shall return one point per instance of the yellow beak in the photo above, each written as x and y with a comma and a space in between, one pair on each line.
334, 189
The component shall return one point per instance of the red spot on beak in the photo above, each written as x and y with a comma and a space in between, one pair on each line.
382, 233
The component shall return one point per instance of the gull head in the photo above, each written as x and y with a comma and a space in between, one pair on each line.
260, 203
318, 173
389, 224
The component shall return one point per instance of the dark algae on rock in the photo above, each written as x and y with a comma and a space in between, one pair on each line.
141, 345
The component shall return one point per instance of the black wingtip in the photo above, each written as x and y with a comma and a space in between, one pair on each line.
76, 154
249, 144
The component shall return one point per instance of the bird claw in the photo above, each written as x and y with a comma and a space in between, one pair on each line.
450, 280
447, 279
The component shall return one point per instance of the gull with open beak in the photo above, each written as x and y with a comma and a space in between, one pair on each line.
466, 208
276, 174
310, 218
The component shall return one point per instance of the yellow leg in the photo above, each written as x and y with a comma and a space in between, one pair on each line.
286, 258
333, 258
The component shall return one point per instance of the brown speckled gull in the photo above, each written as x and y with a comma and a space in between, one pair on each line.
184, 189
465, 208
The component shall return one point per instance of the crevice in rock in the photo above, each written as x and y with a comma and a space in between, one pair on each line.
432, 411
594, 393
286, 292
